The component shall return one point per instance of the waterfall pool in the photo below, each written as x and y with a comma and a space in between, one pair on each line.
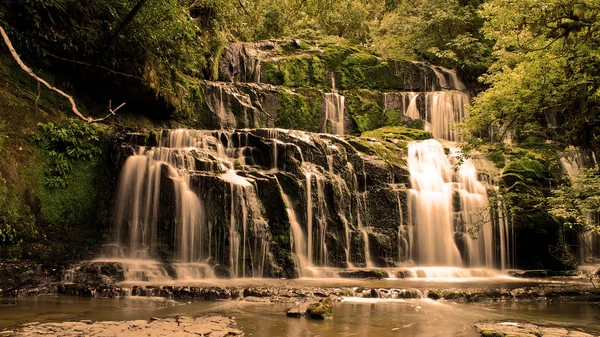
353, 316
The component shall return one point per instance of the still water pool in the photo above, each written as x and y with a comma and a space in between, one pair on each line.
353, 316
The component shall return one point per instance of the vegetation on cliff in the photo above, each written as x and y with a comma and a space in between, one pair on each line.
538, 65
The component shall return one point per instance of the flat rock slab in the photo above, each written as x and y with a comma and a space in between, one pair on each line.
213, 326
525, 330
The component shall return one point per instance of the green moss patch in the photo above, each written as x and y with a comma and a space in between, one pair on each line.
398, 132
300, 110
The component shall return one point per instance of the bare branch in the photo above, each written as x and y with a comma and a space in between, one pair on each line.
28, 70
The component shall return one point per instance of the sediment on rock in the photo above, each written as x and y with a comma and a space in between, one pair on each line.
212, 326
512, 329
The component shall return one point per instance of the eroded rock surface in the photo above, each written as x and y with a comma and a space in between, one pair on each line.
525, 330
213, 326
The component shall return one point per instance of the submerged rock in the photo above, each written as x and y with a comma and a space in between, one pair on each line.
298, 310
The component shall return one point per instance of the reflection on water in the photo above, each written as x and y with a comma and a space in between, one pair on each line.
353, 316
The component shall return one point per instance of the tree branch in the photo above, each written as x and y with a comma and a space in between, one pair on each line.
28, 70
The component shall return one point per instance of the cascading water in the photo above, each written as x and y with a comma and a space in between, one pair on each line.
442, 110
449, 211
334, 113
139, 208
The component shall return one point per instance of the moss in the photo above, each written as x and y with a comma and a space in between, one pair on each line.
335, 55
271, 74
72, 204
300, 110
393, 151
305, 70
365, 110
320, 310
398, 132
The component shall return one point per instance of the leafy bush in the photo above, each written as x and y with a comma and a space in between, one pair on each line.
65, 143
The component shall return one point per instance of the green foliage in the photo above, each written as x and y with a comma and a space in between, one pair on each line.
547, 68
440, 31
575, 204
71, 204
67, 142
16, 220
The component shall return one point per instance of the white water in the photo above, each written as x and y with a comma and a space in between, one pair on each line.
448, 208
442, 110
334, 113
138, 205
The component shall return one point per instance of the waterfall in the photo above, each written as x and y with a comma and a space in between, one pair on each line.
231, 202
139, 209
334, 113
442, 110
449, 210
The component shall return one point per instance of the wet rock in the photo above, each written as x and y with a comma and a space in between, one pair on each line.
434, 295
320, 310
364, 274
525, 330
253, 299
211, 326
257, 292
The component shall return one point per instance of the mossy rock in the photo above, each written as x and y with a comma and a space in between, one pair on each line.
300, 110
398, 132
393, 151
320, 310
296, 71
365, 108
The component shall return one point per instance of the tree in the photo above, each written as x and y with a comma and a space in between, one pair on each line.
546, 80
444, 32
578, 204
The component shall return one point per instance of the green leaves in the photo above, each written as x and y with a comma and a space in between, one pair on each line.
65, 143
576, 203
547, 72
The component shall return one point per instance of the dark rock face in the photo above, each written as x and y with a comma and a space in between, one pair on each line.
240, 62
246, 179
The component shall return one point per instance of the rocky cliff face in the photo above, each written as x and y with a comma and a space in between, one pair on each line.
263, 202
285, 85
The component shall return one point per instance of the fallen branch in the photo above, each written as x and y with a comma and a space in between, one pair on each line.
28, 70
